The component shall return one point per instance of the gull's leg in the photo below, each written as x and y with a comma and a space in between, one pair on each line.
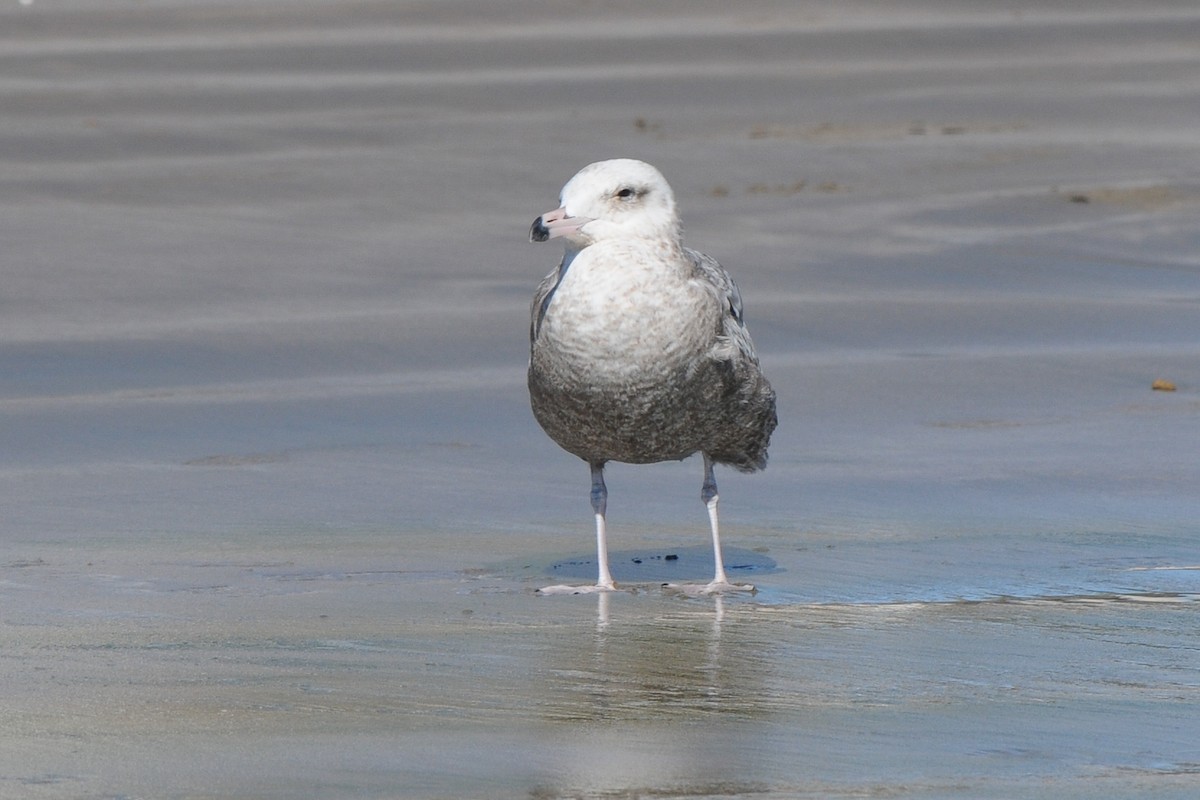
708, 493
604, 582
720, 583
600, 505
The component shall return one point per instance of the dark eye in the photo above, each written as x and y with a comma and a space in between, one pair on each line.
626, 193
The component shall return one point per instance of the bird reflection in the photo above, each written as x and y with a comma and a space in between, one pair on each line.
681, 663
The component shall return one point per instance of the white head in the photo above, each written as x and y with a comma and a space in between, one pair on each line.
617, 199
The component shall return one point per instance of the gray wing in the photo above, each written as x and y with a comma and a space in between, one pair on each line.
542, 297
733, 325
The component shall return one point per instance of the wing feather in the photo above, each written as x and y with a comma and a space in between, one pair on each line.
733, 325
542, 297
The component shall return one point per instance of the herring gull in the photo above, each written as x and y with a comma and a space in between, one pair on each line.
638, 349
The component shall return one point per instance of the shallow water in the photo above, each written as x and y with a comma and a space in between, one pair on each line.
275, 508
230, 672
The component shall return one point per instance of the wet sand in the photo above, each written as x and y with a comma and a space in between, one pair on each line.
275, 507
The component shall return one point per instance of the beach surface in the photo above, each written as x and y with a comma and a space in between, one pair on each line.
275, 507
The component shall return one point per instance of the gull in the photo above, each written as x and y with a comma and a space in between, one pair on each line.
638, 349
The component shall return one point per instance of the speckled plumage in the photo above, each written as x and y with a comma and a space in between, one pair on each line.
653, 375
638, 349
